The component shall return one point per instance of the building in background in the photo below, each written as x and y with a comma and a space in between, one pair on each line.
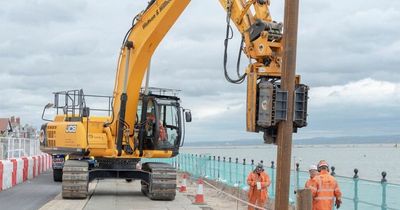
5, 126
12, 127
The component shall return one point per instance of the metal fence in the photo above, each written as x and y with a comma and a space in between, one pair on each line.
357, 193
12, 147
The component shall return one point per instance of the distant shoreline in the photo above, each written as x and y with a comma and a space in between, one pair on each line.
343, 140
380, 145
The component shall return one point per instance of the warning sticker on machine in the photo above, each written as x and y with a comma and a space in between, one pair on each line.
264, 105
70, 129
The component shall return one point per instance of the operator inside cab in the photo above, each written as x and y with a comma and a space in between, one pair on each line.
150, 123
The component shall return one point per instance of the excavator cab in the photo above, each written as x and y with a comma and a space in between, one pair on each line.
159, 122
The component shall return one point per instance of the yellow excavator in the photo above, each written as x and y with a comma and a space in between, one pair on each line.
149, 123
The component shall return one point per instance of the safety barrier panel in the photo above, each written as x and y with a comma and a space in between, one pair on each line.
18, 170
12, 147
357, 193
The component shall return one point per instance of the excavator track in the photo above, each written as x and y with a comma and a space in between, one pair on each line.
162, 182
75, 179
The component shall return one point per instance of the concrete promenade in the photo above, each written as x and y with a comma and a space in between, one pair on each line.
118, 194
42, 193
32, 194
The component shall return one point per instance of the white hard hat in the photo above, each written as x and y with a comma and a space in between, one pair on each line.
323, 163
260, 166
313, 167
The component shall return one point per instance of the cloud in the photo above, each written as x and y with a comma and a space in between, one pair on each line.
366, 93
347, 53
37, 12
343, 41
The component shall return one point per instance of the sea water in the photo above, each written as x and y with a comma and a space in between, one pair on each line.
370, 159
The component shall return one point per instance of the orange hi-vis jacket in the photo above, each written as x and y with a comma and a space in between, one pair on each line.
324, 189
263, 178
310, 184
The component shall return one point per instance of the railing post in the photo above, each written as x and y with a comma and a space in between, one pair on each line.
181, 162
237, 171
252, 164
224, 169
355, 199
384, 183
214, 167
297, 176
187, 162
210, 164
184, 162
244, 171
333, 171
218, 168
192, 164
203, 165
273, 178
197, 166
230, 170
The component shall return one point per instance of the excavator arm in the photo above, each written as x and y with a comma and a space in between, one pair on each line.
262, 44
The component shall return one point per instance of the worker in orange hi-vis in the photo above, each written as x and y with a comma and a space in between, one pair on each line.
259, 182
325, 189
313, 170
310, 184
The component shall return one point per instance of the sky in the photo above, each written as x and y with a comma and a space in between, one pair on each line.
347, 54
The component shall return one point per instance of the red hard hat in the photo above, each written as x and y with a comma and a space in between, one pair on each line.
323, 163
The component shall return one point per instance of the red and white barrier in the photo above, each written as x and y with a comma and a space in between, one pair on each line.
18, 170
7, 174
30, 169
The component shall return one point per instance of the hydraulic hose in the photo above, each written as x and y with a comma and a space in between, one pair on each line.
229, 35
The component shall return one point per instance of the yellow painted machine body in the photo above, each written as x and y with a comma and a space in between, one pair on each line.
71, 137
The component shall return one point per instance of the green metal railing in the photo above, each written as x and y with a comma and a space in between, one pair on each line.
357, 193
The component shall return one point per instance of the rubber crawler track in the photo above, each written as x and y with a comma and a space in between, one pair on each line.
75, 179
162, 184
